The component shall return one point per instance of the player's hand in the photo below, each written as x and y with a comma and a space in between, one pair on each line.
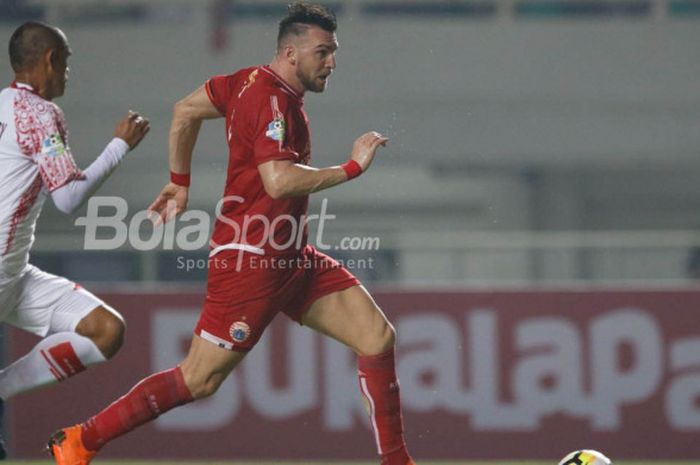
171, 201
132, 129
365, 147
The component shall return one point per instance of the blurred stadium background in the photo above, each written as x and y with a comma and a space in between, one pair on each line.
532, 229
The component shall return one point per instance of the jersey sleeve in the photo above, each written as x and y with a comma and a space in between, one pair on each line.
220, 89
52, 154
272, 130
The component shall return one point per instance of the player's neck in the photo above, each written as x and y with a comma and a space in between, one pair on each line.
288, 75
34, 81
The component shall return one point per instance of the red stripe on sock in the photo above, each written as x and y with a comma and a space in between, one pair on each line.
54, 371
371, 412
66, 359
56, 374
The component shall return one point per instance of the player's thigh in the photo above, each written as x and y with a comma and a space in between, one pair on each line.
207, 365
48, 304
353, 318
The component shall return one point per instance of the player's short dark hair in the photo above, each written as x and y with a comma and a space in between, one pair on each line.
301, 15
30, 41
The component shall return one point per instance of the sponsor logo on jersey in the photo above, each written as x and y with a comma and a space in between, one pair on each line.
53, 146
239, 331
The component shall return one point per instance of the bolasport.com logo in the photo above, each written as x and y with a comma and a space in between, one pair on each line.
108, 225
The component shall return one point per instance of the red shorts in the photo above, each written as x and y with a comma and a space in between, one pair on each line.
245, 293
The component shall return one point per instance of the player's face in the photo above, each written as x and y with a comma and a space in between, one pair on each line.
316, 58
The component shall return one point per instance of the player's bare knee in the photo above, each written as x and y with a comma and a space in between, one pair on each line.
201, 387
113, 332
105, 328
387, 338
381, 339
201, 379
206, 389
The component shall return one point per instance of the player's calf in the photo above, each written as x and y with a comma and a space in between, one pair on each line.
53, 359
63, 354
380, 388
200, 375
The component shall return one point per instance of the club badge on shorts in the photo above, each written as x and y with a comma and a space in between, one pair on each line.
239, 331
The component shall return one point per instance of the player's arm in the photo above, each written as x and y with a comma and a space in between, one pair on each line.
188, 115
129, 132
283, 179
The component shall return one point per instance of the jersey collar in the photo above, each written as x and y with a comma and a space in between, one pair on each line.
23, 86
284, 84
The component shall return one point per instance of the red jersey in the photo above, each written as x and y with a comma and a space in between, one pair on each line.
265, 121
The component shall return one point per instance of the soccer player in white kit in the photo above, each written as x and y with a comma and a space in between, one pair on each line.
77, 328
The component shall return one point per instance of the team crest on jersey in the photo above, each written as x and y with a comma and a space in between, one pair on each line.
53, 146
249, 82
239, 331
276, 129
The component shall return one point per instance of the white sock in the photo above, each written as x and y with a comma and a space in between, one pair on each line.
54, 359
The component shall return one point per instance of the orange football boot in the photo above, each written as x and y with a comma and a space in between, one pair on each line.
67, 448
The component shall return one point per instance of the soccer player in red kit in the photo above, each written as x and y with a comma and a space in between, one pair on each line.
260, 262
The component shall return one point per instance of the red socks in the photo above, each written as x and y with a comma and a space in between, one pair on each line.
166, 390
380, 388
147, 400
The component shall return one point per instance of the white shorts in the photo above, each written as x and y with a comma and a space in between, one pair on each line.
43, 303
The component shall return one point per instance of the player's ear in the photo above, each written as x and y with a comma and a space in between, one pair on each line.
48, 59
290, 52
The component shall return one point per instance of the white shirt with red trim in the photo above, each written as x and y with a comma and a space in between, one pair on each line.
35, 159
